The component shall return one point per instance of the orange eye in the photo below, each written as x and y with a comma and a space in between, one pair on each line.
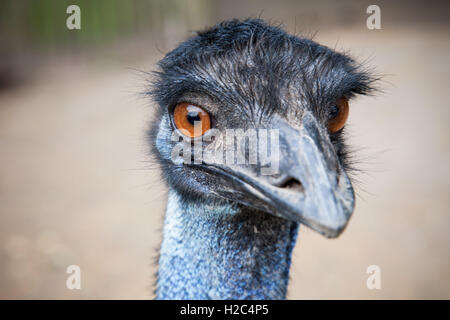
339, 115
191, 120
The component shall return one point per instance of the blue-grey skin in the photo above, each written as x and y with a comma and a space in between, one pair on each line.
216, 251
229, 231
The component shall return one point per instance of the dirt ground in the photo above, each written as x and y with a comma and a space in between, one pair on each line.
77, 185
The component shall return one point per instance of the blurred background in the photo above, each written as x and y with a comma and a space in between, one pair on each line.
77, 185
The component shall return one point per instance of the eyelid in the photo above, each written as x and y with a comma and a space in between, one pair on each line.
201, 98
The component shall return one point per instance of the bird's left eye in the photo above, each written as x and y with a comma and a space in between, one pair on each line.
338, 115
191, 120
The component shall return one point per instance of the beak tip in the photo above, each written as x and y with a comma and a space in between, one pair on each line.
336, 230
334, 233
330, 230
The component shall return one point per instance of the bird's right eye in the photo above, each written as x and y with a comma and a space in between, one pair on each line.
191, 120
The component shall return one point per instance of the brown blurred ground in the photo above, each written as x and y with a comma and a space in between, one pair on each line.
77, 185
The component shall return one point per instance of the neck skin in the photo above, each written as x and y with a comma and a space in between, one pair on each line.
220, 252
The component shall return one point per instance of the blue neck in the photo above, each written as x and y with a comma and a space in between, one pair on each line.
220, 252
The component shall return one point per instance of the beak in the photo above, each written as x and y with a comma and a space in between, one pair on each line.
310, 187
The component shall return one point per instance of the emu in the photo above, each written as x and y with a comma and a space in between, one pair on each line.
229, 230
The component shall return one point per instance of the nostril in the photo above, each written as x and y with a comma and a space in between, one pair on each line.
293, 184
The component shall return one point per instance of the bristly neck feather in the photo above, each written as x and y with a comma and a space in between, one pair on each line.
220, 252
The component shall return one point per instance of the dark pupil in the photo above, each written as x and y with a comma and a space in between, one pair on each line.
193, 116
334, 112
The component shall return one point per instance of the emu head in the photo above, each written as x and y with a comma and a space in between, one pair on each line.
286, 99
